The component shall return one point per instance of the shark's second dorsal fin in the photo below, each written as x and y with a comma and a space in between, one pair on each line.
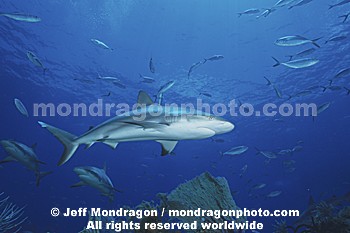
143, 98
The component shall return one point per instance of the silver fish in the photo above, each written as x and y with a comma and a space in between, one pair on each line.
100, 44
147, 79
295, 41
249, 12
21, 108
267, 154
323, 107
343, 73
108, 78
274, 194
193, 67
277, 91
266, 13
302, 53
335, 39
22, 17
163, 89
282, 3
297, 64
236, 150
213, 58
35, 60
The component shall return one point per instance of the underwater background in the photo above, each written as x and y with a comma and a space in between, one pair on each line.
175, 34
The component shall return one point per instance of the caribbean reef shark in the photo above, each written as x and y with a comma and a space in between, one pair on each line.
164, 124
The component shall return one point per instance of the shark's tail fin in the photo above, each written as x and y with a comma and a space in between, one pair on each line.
67, 139
41, 175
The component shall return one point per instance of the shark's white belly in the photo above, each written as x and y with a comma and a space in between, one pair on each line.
127, 132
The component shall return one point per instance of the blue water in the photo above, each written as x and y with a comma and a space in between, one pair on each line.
176, 34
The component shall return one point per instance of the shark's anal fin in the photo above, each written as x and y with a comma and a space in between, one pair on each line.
79, 184
167, 146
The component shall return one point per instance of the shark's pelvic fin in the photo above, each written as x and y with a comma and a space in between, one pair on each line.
8, 159
143, 98
112, 143
67, 139
167, 146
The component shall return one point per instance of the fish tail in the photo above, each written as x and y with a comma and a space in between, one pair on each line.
40, 175
277, 62
239, 14
324, 88
314, 42
67, 139
348, 90
257, 150
290, 57
330, 6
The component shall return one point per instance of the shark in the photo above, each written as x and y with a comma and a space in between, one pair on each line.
95, 178
164, 124
25, 155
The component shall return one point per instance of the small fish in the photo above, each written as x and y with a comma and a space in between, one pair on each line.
205, 94
119, 84
267, 154
213, 58
282, 3
346, 16
335, 39
151, 66
163, 89
193, 67
295, 41
243, 170
297, 64
108, 78
285, 152
302, 53
323, 107
339, 4
274, 194
22, 17
300, 3
297, 148
236, 150
147, 79
249, 12
266, 13
259, 186
35, 60
300, 94
332, 88
343, 73
100, 44
21, 108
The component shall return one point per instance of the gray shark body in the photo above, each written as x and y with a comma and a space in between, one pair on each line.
164, 124
18, 152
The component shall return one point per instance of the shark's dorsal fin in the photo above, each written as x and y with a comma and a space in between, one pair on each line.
143, 98
167, 146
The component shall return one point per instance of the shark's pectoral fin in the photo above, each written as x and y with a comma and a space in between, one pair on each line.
79, 184
8, 159
88, 145
112, 143
167, 146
